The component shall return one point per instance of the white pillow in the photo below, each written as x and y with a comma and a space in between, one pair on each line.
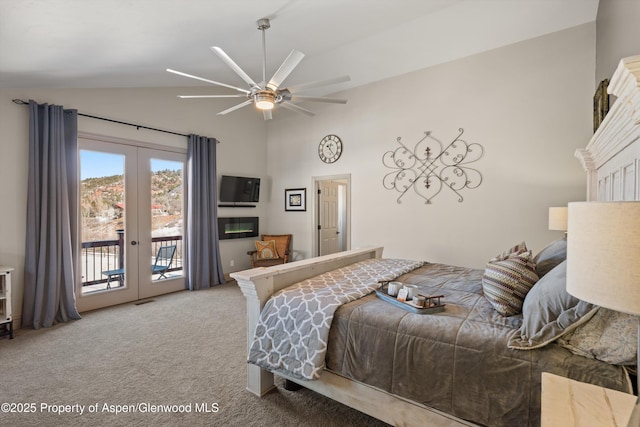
610, 336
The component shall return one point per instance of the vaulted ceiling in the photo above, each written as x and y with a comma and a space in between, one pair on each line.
130, 43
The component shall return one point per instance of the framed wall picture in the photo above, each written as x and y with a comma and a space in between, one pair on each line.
600, 104
295, 199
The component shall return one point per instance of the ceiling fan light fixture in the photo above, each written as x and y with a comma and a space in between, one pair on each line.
265, 100
266, 94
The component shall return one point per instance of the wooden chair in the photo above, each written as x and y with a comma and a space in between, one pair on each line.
283, 243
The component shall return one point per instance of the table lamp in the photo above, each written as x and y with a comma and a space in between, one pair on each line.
558, 218
603, 259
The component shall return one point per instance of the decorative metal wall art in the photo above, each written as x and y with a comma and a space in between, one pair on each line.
431, 166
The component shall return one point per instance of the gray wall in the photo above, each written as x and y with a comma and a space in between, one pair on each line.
527, 104
617, 35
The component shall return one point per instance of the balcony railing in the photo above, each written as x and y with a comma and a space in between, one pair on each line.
103, 255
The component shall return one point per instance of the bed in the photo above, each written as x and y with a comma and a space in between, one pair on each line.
468, 365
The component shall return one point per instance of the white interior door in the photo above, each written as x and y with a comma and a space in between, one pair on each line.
131, 206
328, 202
332, 215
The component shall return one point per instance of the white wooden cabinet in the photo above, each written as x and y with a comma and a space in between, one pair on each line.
6, 320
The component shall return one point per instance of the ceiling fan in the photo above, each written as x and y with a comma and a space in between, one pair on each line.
268, 94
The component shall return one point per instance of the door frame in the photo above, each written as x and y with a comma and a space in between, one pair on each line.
316, 182
117, 296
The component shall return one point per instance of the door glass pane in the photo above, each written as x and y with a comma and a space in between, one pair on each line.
102, 210
167, 205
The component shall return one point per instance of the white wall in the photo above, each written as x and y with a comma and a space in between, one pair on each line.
242, 151
618, 35
528, 105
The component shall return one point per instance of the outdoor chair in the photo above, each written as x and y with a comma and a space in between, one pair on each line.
163, 261
162, 264
118, 272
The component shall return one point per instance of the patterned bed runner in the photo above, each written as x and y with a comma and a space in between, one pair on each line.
291, 335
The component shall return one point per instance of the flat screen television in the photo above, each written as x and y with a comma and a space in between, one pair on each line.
239, 189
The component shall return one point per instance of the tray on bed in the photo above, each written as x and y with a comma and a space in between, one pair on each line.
383, 294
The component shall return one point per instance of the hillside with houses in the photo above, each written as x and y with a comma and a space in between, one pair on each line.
102, 205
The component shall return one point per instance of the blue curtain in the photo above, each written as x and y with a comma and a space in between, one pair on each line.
202, 255
51, 240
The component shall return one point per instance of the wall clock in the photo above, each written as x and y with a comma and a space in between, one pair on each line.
330, 148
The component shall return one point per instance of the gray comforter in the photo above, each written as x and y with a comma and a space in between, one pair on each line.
292, 332
456, 361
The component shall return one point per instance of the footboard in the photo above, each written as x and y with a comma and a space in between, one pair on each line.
259, 284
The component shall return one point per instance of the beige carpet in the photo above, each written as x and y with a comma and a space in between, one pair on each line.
187, 348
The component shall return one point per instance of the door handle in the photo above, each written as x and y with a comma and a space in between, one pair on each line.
133, 243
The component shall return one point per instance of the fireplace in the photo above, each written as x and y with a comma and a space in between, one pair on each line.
237, 227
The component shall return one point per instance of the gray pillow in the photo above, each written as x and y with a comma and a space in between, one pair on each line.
550, 256
549, 312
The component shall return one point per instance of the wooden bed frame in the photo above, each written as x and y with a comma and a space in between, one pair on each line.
612, 162
259, 284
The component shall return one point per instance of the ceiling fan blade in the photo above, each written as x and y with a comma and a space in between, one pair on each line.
311, 85
267, 114
235, 67
285, 69
235, 107
207, 80
211, 96
318, 99
297, 108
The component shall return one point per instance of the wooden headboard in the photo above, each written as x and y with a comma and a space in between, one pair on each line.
612, 157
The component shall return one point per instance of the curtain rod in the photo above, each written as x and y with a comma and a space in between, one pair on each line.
21, 102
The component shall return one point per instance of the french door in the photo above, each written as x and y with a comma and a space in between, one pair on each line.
131, 208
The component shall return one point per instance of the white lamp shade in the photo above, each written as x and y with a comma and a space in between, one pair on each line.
603, 254
558, 218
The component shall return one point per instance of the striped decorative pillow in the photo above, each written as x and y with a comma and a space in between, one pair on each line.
519, 248
506, 281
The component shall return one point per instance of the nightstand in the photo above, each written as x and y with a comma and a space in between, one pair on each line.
567, 402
